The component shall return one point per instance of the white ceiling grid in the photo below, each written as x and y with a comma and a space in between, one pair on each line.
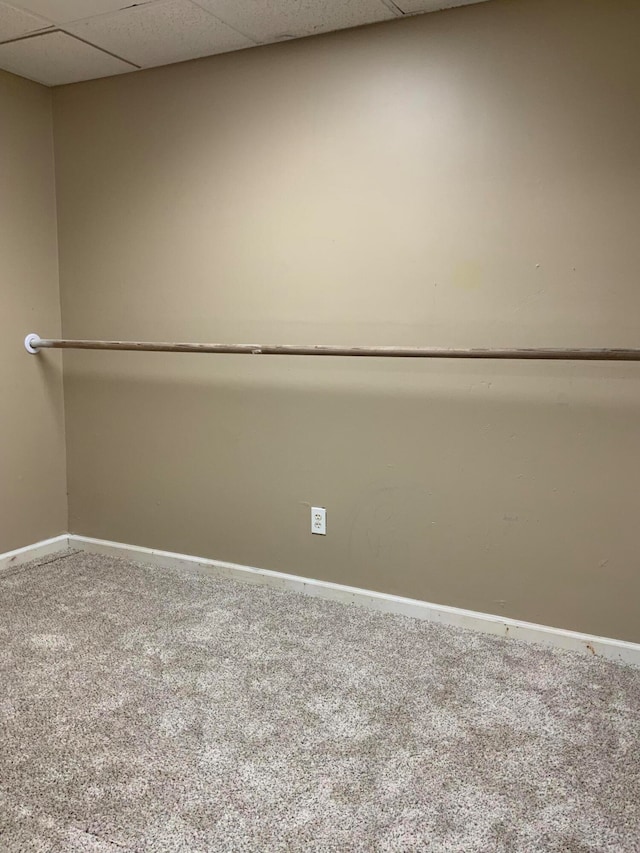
57, 58
275, 20
160, 33
16, 22
65, 41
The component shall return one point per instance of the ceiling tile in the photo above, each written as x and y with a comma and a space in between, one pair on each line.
57, 58
160, 33
62, 11
15, 22
273, 20
411, 6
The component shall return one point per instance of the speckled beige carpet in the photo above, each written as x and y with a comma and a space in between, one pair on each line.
143, 709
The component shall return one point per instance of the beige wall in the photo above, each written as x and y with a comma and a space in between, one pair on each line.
469, 178
33, 501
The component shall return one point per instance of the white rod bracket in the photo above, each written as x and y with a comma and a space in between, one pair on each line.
31, 343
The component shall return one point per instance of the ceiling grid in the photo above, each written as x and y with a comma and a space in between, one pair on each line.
65, 41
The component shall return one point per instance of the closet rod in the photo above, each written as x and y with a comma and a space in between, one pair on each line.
34, 343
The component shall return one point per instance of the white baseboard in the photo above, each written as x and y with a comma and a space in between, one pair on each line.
32, 552
615, 650
611, 649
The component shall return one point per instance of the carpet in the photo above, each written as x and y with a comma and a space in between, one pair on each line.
146, 709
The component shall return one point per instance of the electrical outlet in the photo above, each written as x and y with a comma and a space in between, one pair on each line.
319, 520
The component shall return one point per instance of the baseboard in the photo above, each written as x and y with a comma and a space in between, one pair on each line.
605, 647
33, 552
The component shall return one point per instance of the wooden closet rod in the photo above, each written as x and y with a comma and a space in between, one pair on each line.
34, 343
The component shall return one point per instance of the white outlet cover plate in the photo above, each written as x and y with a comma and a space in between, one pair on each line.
319, 520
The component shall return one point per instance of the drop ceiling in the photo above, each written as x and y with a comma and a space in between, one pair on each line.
65, 41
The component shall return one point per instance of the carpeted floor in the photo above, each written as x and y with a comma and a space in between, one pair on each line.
144, 709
